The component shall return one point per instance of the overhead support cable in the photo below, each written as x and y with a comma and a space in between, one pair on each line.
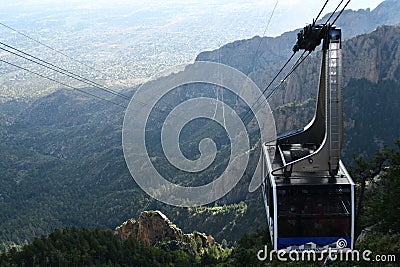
340, 13
273, 79
63, 71
320, 12
333, 13
59, 52
64, 84
265, 31
294, 67
299, 61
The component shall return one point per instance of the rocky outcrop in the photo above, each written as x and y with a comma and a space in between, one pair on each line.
374, 56
127, 229
154, 228
361, 21
370, 51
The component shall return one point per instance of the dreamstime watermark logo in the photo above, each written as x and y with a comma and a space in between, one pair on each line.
137, 116
341, 243
332, 254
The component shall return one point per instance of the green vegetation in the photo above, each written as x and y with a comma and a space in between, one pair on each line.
372, 120
61, 165
380, 208
224, 222
68, 170
83, 247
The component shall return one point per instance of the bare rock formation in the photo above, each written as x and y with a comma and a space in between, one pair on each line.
154, 228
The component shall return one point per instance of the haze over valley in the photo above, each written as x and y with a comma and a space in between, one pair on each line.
127, 42
62, 162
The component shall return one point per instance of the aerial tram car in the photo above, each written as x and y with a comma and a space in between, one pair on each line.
308, 193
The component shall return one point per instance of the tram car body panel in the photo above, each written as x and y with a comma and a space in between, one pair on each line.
307, 191
308, 211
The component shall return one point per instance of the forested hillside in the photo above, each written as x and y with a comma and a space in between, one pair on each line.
104, 248
61, 160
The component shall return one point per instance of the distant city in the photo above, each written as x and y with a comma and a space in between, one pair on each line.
123, 44
125, 47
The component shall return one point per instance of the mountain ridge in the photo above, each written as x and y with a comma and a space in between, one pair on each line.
62, 163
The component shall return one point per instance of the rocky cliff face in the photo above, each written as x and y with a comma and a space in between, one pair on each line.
272, 52
371, 74
154, 228
373, 56
362, 21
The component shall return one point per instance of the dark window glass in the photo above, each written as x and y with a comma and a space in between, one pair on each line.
319, 211
269, 197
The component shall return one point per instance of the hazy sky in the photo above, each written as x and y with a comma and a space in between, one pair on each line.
289, 14
292, 14
148, 35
